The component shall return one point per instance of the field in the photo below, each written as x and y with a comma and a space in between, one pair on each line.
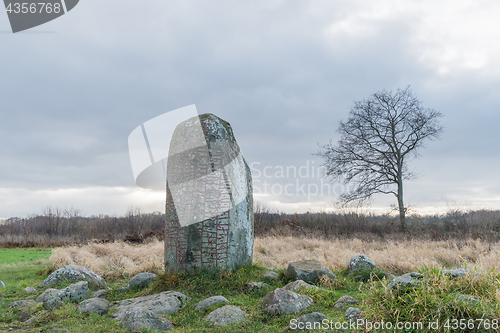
118, 261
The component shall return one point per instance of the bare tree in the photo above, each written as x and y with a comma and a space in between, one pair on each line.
381, 134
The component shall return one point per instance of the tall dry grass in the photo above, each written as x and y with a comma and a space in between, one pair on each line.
112, 259
121, 259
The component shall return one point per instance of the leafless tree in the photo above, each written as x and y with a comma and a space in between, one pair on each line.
381, 134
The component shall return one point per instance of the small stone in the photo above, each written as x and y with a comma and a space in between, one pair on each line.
142, 280
309, 321
94, 305
210, 301
74, 273
471, 300
255, 285
226, 315
353, 314
167, 302
456, 273
344, 301
136, 319
282, 301
30, 290
99, 293
270, 276
21, 303
74, 292
403, 282
298, 285
46, 294
308, 270
359, 263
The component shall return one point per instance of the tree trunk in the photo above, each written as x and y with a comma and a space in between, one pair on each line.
402, 211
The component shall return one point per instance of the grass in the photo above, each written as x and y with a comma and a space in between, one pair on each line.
8, 256
434, 300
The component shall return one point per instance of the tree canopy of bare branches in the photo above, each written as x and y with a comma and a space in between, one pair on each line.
376, 142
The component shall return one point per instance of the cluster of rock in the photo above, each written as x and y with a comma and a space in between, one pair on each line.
142, 312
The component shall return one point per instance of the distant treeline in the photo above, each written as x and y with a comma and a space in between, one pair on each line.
56, 227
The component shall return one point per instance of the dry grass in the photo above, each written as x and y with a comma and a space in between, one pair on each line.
112, 259
395, 257
121, 259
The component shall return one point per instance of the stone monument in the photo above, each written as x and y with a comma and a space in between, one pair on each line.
209, 207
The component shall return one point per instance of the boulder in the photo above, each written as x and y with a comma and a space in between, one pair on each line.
344, 302
226, 315
210, 301
270, 276
167, 302
308, 270
298, 285
73, 273
255, 285
307, 322
74, 292
45, 295
94, 305
30, 290
209, 207
282, 301
353, 314
403, 282
360, 263
142, 280
136, 319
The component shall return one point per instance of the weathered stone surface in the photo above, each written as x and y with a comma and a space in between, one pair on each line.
142, 280
30, 290
45, 295
2, 285
167, 302
271, 276
297, 285
100, 293
74, 292
21, 303
226, 315
137, 318
344, 302
73, 273
210, 301
353, 314
94, 305
359, 263
255, 285
459, 272
209, 210
307, 322
308, 270
281, 301
405, 281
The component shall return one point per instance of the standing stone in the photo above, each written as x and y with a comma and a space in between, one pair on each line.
209, 209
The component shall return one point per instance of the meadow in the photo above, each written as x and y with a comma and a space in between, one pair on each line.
118, 261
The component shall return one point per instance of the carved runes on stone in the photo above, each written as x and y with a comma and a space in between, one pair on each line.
209, 209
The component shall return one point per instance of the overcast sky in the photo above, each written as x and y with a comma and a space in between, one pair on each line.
283, 73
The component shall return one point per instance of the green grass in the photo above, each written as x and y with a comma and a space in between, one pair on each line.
432, 300
9, 256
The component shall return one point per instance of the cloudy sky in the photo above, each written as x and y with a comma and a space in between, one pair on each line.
283, 73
